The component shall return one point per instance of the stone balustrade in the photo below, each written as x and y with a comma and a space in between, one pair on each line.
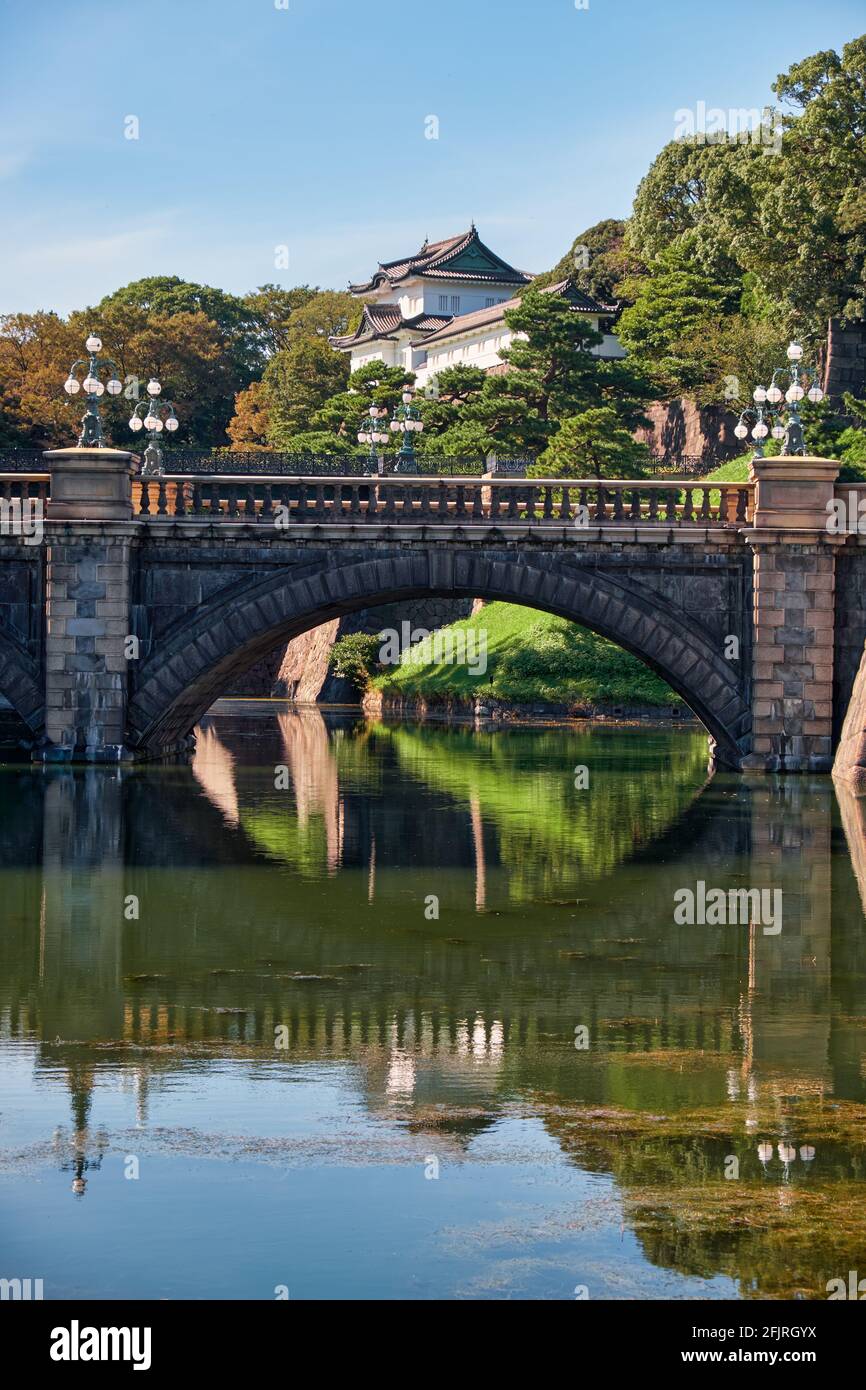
445, 501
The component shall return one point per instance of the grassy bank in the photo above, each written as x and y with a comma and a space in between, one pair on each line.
531, 657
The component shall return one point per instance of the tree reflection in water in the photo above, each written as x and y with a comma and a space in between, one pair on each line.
303, 907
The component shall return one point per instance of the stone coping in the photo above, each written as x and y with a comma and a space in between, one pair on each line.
661, 534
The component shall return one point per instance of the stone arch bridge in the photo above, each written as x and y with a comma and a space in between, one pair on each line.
141, 599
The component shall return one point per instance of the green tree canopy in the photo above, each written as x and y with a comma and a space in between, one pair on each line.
299, 380
593, 444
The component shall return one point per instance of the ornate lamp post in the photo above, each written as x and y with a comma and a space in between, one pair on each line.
803, 385
373, 432
407, 420
760, 413
91, 422
160, 415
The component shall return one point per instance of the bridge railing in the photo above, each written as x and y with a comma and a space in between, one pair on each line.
21, 485
457, 501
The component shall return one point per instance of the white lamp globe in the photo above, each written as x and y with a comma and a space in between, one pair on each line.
114, 386
741, 431
172, 423
361, 439
93, 344
99, 389
157, 424
153, 387
815, 394
90, 384
135, 423
419, 425
778, 431
395, 425
795, 352
760, 431
765, 1152
150, 422
774, 394
407, 397
71, 386
794, 393
759, 395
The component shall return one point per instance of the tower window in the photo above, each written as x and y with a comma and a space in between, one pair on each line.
443, 303
489, 303
455, 304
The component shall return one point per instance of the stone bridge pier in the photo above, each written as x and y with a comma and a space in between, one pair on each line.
121, 629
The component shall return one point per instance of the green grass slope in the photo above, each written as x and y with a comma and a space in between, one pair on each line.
531, 657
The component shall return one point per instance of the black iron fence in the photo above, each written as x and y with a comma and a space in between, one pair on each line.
273, 464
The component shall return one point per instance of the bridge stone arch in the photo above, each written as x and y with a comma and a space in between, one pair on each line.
191, 664
21, 683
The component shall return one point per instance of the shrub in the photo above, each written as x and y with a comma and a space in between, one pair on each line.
356, 658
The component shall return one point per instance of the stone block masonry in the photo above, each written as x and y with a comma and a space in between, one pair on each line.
792, 683
87, 624
793, 617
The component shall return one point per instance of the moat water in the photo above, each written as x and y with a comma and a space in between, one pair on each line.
353, 1010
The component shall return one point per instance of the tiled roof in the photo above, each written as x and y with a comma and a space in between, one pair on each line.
481, 318
434, 261
579, 299
384, 320
466, 323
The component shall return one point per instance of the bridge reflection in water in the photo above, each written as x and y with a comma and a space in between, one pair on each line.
158, 921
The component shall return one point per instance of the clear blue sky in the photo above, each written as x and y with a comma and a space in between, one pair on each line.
305, 126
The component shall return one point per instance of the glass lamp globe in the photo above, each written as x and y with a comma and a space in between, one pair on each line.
114, 386
419, 425
759, 395
172, 423
71, 386
741, 432
778, 431
361, 439
760, 431
99, 389
794, 393
815, 394
157, 424
153, 387
150, 422
795, 352
407, 397
395, 425
90, 384
93, 344
774, 394
135, 423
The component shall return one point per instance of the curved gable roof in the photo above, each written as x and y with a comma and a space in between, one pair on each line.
462, 257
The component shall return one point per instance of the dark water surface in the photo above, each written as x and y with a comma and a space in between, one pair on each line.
239, 1051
